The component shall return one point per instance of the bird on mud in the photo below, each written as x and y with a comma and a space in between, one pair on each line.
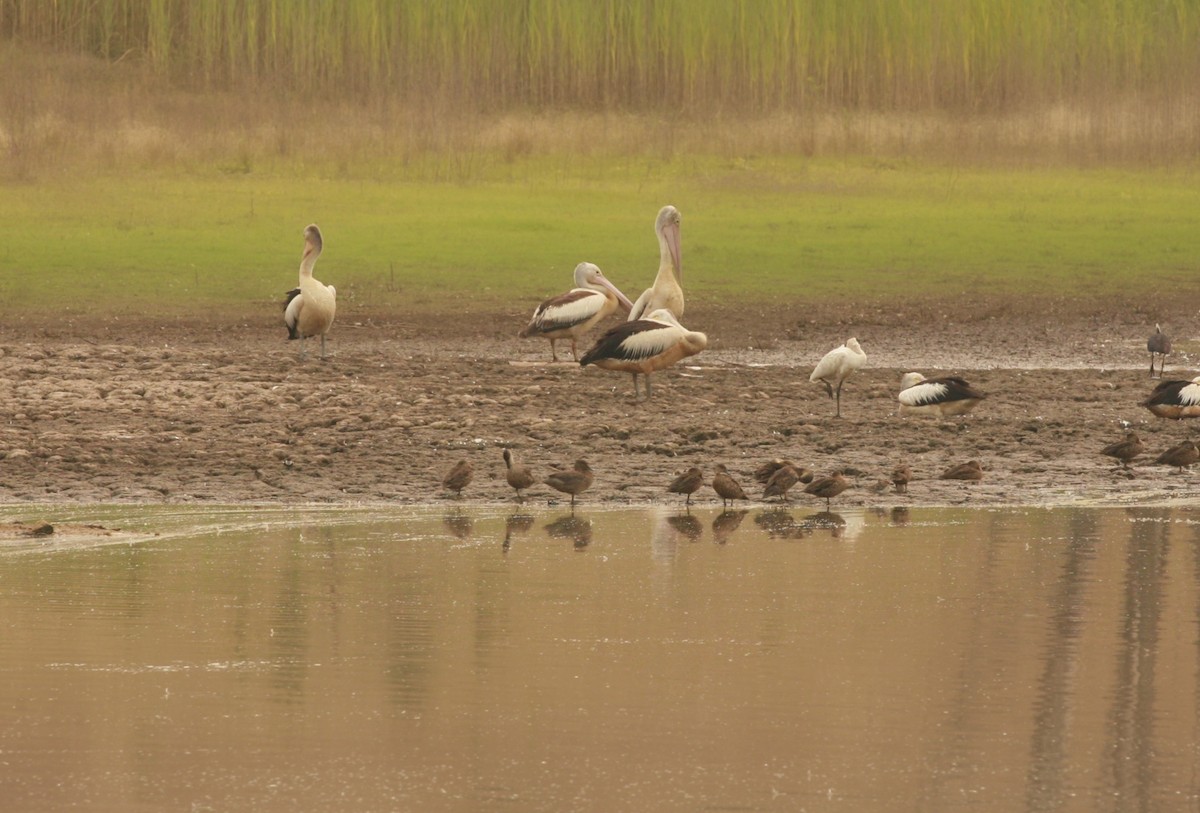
1175, 399
1125, 450
309, 308
727, 488
783, 479
687, 483
970, 471
570, 315
827, 487
1181, 456
644, 346
901, 475
764, 472
1159, 344
573, 481
519, 477
944, 396
459, 477
667, 291
836, 366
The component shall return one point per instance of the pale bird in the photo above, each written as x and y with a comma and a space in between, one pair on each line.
645, 346
943, 396
309, 309
1175, 399
667, 291
570, 315
836, 366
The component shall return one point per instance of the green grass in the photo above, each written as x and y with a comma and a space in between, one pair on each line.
778, 231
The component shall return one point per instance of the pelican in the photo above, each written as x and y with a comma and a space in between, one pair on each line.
1124, 450
827, 487
518, 477
945, 396
836, 366
1175, 399
459, 477
570, 315
687, 483
309, 309
1181, 456
727, 488
644, 346
668, 284
971, 470
1159, 344
572, 482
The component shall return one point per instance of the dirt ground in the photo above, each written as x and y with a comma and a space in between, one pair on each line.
125, 410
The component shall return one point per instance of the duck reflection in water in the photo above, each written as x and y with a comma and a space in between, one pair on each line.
686, 525
900, 515
577, 529
725, 523
826, 521
780, 524
459, 524
516, 525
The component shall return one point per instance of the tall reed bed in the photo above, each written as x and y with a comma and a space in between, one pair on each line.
639, 55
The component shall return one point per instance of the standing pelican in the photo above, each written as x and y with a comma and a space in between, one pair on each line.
836, 366
518, 477
1159, 344
1175, 399
570, 315
309, 309
945, 396
644, 346
667, 291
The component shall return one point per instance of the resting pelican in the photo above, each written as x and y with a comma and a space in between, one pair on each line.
574, 313
644, 346
949, 395
1175, 399
836, 366
1159, 344
668, 284
310, 308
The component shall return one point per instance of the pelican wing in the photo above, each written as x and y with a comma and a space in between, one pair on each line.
938, 391
634, 341
1180, 393
572, 308
291, 312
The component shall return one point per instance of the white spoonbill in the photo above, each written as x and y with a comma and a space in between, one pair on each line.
1175, 399
310, 308
945, 396
836, 366
667, 291
570, 315
649, 344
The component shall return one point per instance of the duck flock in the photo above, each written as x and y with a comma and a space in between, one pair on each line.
652, 339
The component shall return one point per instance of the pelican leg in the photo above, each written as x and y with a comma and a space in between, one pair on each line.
303, 348
574, 355
647, 386
553, 352
635, 387
322, 345
838, 398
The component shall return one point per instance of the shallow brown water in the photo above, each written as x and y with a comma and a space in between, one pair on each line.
442, 659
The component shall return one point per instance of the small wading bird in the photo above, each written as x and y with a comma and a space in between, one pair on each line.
1175, 399
836, 366
309, 309
570, 315
945, 396
783, 479
901, 475
573, 482
667, 291
827, 487
726, 487
764, 472
519, 477
1125, 450
971, 471
1181, 456
687, 483
1159, 344
459, 477
645, 346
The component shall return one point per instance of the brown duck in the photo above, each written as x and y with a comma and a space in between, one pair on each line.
726, 487
519, 477
1181, 456
459, 477
827, 487
1125, 450
971, 470
782, 480
687, 483
573, 482
901, 475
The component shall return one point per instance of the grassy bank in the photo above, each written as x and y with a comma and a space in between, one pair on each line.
771, 231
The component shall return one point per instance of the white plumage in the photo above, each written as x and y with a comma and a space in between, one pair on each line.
667, 291
836, 366
570, 315
645, 346
949, 395
309, 308
1175, 399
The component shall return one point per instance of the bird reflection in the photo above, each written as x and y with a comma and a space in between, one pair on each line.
780, 524
577, 529
826, 521
687, 525
516, 525
459, 524
900, 515
725, 523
